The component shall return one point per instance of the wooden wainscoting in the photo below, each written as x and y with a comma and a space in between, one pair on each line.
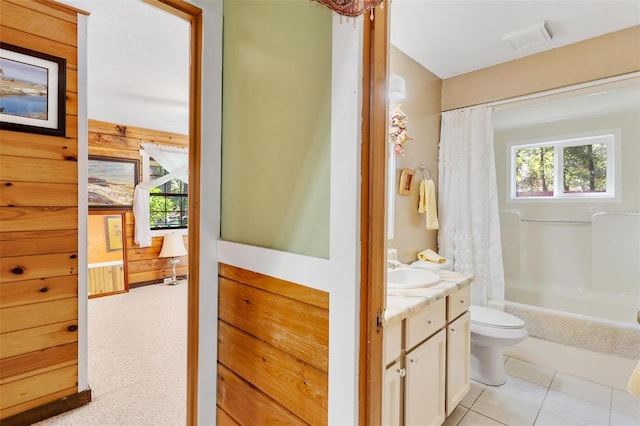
119, 140
106, 280
39, 230
273, 350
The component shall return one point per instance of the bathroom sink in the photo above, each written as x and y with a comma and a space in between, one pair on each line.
411, 278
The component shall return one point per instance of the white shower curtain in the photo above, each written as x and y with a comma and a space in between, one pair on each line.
174, 160
469, 232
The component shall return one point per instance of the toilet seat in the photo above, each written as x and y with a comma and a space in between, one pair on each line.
488, 317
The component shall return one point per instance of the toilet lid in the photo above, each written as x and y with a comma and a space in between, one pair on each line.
494, 318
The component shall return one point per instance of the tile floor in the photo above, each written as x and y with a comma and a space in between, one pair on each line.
539, 396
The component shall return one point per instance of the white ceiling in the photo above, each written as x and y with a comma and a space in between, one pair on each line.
138, 64
455, 37
138, 55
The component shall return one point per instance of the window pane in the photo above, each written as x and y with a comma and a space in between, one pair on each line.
585, 168
168, 202
534, 171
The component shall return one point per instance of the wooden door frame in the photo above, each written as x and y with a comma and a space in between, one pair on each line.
373, 206
373, 214
193, 15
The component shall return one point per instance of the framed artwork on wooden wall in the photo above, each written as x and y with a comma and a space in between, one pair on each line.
112, 182
113, 229
406, 181
32, 91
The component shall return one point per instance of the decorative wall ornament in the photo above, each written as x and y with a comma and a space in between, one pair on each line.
112, 182
350, 8
32, 91
398, 130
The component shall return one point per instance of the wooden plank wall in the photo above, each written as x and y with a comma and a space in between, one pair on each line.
273, 350
106, 280
123, 141
39, 229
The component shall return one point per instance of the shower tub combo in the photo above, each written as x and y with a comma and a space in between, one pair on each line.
577, 284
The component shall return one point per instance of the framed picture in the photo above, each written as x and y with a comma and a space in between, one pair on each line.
113, 228
112, 181
32, 91
406, 180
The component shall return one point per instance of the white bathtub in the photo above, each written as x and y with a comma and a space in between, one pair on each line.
609, 306
587, 267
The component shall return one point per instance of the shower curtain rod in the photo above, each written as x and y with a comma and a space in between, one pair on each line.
564, 89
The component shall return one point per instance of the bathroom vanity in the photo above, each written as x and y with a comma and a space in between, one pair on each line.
426, 350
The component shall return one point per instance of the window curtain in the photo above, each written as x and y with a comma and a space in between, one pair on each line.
469, 232
175, 161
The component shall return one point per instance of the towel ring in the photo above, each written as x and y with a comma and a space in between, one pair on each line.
422, 167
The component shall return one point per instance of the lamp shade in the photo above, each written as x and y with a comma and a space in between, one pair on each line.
173, 246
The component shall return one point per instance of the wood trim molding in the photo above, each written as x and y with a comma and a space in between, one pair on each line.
63, 6
192, 14
48, 410
373, 208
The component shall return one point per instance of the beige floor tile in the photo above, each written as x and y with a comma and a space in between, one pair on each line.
625, 403
522, 390
473, 394
549, 419
533, 373
505, 409
583, 389
621, 419
455, 417
575, 409
476, 419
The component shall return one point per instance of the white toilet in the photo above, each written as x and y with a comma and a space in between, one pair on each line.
491, 331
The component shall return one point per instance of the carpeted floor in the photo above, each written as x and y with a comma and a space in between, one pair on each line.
137, 359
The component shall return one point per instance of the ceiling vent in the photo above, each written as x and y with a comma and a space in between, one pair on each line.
526, 37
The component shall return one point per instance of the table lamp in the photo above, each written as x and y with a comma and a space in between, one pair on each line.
173, 246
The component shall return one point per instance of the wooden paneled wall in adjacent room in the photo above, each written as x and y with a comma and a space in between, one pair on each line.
273, 336
123, 141
39, 229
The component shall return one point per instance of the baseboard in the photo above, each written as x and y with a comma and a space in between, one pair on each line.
154, 282
48, 410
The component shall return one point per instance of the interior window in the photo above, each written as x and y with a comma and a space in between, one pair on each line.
168, 203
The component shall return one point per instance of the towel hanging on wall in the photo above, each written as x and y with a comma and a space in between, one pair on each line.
427, 204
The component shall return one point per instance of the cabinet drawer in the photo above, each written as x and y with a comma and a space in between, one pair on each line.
392, 342
459, 302
424, 324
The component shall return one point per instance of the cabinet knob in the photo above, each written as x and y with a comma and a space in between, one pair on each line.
429, 322
413, 361
402, 372
461, 301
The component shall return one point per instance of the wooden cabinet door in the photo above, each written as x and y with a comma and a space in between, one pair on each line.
392, 396
425, 382
458, 360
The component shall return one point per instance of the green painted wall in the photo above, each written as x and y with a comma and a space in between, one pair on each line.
276, 122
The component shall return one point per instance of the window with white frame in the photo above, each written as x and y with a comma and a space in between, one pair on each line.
580, 167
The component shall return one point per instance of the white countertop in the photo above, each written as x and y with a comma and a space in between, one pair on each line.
403, 303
